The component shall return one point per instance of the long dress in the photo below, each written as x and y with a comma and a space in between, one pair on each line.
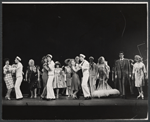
32, 79
8, 77
59, 79
68, 76
75, 84
139, 70
104, 89
44, 76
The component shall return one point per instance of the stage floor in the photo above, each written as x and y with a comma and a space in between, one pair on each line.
68, 109
65, 101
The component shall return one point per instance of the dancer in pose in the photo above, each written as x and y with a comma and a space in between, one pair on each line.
59, 79
19, 77
84, 65
103, 89
32, 76
93, 74
122, 73
68, 72
80, 74
8, 79
139, 75
51, 68
75, 84
44, 76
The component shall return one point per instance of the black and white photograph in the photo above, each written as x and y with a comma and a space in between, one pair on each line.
74, 60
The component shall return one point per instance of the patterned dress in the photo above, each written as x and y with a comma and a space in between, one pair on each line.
8, 77
139, 70
32, 78
59, 79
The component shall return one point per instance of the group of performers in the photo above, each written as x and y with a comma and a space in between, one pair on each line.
78, 75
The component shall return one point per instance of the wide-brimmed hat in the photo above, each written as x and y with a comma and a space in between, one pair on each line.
137, 58
67, 61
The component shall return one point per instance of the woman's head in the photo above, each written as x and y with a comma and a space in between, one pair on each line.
57, 64
44, 59
72, 62
137, 58
101, 60
6, 61
31, 62
67, 62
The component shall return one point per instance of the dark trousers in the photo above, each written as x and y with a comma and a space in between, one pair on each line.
122, 84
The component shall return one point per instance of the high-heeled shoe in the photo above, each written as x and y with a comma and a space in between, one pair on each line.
139, 96
142, 96
57, 96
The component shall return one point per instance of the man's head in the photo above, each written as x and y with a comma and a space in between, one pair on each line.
91, 59
49, 57
77, 59
17, 59
82, 57
121, 55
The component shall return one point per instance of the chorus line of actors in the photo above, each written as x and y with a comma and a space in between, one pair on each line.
74, 77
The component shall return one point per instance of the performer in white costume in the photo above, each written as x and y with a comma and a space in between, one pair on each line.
103, 89
51, 68
84, 65
19, 77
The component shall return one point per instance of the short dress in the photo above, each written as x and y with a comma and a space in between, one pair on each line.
59, 79
139, 70
32, 79
8, 77
68, 76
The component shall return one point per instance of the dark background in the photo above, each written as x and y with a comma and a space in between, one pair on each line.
66, 30
32, 31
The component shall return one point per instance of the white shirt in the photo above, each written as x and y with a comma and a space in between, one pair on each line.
85, 67
51, 65
19, 69
121, 59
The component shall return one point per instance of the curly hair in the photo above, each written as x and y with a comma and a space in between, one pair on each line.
100, 59
31, 61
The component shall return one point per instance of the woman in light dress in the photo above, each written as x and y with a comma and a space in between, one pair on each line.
59, 78
103, 89
68, 73
139, 75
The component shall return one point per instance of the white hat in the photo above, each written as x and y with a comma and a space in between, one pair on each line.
18, 58
48, 55
81, 55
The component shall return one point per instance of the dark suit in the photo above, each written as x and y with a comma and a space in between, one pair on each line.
122, 70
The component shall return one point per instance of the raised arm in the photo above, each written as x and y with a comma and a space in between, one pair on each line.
74, 68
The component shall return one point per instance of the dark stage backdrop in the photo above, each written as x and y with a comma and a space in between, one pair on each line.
32, 31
